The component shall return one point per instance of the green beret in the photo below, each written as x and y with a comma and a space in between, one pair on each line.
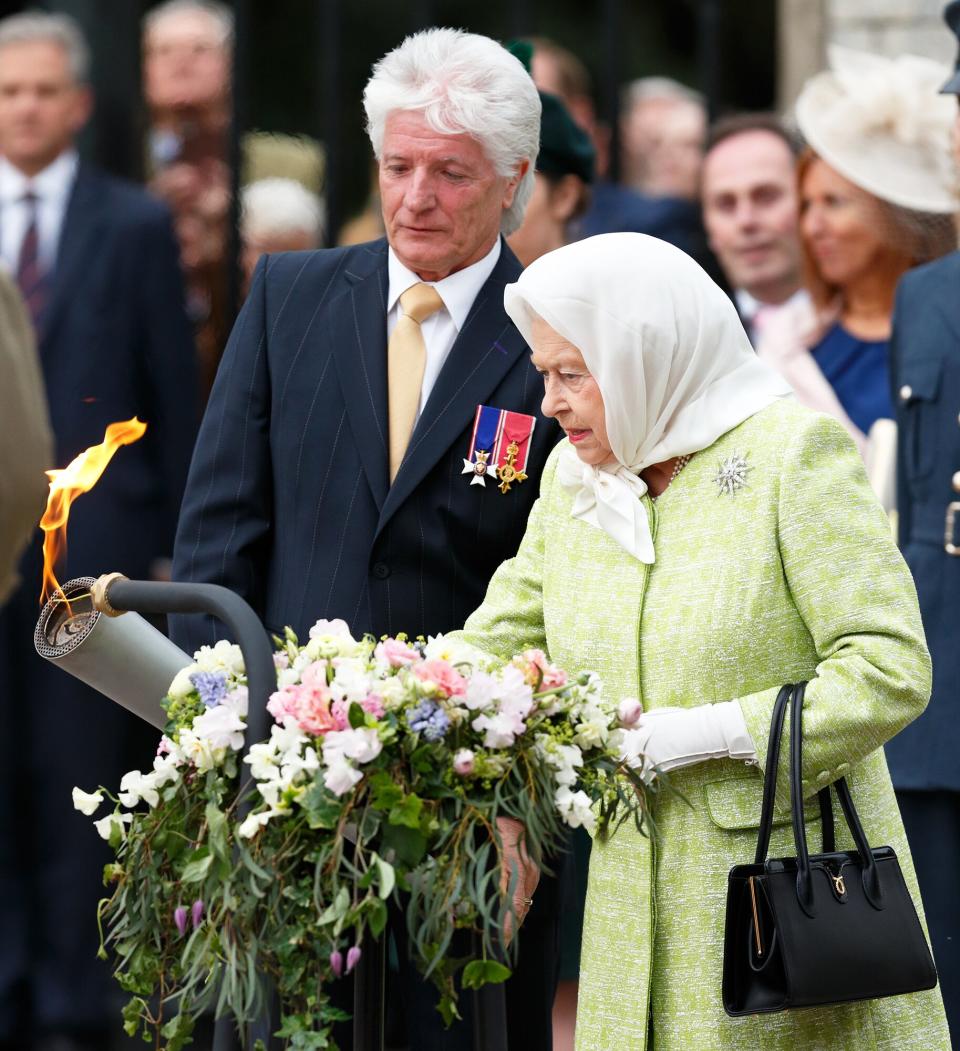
565, 148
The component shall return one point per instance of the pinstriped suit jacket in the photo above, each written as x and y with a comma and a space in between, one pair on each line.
288, 500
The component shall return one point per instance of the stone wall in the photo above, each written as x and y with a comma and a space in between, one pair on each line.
887, 27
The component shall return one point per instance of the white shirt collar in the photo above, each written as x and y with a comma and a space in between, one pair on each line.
748, 305
53, 183
458, 290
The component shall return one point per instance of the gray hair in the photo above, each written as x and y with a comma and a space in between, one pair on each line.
648, 88
218, 13
32, 27
462, 83
278, 207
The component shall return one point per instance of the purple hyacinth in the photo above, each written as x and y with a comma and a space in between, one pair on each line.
429, 719
211, 685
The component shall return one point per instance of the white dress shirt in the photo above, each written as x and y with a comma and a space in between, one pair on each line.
440, 330
52, 188
756, 315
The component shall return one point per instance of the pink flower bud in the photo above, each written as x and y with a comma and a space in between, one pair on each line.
353, 957
180, 919
336, 962
463, 762
629, 711
196, 913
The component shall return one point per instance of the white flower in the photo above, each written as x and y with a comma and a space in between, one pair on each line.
332, 628
223, 657
592, 732
86, 802
221, 727
135, 786
440, 647
482, 691
340, 776
575, 808
331, 638
106, 825
182, 685
500, 729
237, 701
199, 751
514, 694
392, 692
362, 744
252, 824
351, 681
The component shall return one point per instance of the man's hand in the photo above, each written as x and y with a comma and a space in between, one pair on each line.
517, 861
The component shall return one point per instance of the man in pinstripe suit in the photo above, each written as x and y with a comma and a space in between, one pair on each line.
291, 499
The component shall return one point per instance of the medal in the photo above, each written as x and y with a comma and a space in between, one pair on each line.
499, 446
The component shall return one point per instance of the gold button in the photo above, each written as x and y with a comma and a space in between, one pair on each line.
906, 392
956, 481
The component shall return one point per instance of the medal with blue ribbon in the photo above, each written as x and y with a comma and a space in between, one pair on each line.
499, 446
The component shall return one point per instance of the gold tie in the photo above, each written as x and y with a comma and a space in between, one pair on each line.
406, 357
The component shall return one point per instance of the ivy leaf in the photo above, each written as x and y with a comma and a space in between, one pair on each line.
384, 792
377, 917
196, 869
484, 972
337, 909
388, 877
322, 808
217, 826
407, 812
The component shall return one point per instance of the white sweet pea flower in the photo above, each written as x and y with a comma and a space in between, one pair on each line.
86, 802
514, 693
575, 809
135, 786
351, 680
252, 824
221, 727
182, 685
482, 692
106, 825
362, 744
237, 700
340, 776
500, 730
199, 751
223, 657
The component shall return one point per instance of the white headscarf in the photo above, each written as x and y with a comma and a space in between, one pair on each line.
668, 352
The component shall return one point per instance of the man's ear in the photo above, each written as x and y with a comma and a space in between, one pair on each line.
510, 191
83, 107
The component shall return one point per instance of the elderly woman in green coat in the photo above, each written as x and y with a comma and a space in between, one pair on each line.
700, 540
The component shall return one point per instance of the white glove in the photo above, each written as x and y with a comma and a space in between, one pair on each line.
671, 738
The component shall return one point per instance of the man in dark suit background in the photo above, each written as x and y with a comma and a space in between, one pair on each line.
924, 758
97, 264
328, 476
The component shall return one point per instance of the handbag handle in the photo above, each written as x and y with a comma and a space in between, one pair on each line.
871, 879
770, 784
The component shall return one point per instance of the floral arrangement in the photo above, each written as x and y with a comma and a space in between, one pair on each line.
387, 770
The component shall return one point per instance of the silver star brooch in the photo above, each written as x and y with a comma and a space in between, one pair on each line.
732, 474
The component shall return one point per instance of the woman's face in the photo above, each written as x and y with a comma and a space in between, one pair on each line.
841, 224
570, 394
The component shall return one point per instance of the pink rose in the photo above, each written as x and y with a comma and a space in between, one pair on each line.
550, 676
308, 707
441, 674
629, 711
395, 653
315, 675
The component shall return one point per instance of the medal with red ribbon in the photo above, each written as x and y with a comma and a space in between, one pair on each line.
499, 446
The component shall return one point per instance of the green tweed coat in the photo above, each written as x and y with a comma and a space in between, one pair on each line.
793, 577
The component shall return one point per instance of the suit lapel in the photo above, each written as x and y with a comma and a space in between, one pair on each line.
486, 349
78, 245
359, 332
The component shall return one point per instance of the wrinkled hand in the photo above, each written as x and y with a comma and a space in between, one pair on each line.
517, 866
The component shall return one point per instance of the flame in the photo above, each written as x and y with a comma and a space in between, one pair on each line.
66, 484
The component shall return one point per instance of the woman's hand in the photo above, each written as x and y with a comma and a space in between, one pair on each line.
516, 860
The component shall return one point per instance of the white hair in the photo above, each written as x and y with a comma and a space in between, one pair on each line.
219, 14
462, 83
33, 27
648, 88
278, 207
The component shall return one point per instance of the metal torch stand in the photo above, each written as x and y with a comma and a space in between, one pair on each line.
142, 596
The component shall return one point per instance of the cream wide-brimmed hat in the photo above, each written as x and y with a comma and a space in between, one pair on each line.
881, 123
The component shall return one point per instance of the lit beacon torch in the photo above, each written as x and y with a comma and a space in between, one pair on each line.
125, 657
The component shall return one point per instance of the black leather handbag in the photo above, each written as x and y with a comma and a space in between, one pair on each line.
817, 929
